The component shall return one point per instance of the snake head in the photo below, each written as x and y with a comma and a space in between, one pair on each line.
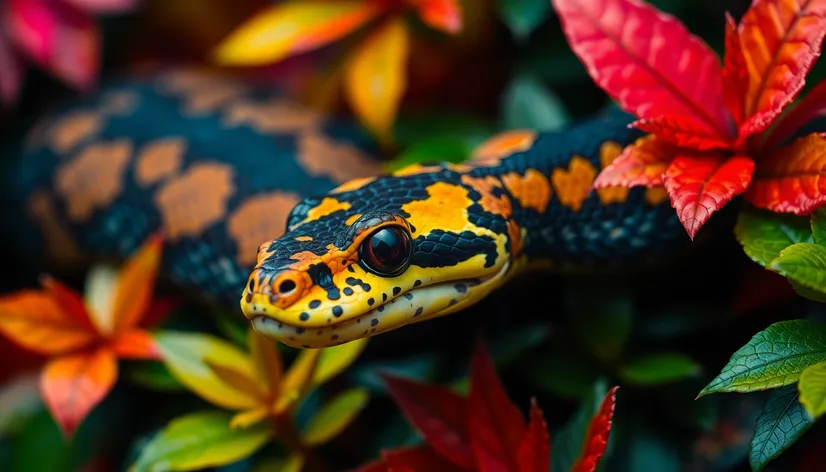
373, 256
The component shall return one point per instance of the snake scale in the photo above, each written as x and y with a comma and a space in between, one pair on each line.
264, 201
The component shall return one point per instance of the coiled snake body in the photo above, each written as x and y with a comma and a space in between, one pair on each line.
262, 200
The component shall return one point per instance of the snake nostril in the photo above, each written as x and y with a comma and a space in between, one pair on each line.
286, 287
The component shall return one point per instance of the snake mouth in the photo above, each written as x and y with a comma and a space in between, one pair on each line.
420, 303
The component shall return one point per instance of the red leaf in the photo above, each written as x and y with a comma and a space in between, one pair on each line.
790, 180
700, 185
495, 425
534, 454
812, 106
73, 385
444, 15
646, 60
641, 163
70, 300
596, 438
159, 309
375, 466
135, 344
780, 42
439, 414
417, 459
686, 132
58, 37
735, 74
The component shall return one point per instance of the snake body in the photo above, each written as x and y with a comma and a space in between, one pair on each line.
261, 199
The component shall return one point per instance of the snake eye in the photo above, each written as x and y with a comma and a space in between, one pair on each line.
386, 252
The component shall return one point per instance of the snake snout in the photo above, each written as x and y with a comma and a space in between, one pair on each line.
271, 288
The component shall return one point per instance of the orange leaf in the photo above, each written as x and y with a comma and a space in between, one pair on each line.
36, 321
641, 163
135, 344
686, 132
596, 438
445, 15
416, 459
136, 284
73, 385
375, 77
812, 106
780, 41
700, 185
735, 74
70, 300
534, 453
646, 60
791, 179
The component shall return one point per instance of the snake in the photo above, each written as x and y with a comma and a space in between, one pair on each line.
289, 212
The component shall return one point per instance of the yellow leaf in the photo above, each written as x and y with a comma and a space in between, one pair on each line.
186, 356
376, 77
335, 416
294, 463
286, 401
238, 380
248, 418
335, 359
99, 296
299, 378
812, 387
290, 28
266, 359
136, 284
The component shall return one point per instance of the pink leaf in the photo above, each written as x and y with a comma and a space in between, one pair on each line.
104, 6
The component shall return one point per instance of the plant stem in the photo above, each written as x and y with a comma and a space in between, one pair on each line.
286, 432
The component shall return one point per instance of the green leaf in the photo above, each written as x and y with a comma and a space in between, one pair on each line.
433, 150
523, 16
807, 292
567, 445
334, 360
781, 423
528, 104
763, 234
155, 376
658, 369
335, 416
804, 263
411, 129
818, 223
200, 440
812, 388
772, 358
563, 375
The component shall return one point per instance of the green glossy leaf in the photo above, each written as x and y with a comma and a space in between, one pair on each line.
781, 423
335, 416
658, 369
818, 223
411, 128
434, 150
763, 234
567, 444
803, 263
523, 16
528, 104
812, 388
807, 292
200, 440
155, 376
772, 358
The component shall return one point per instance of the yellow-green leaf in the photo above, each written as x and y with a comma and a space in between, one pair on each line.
294, 463
375, 77
237, 379
335, 359
247, 418
335, 416
803, 263
198, 441
812, 386
289, 28
186, 356
266, 359
298, 378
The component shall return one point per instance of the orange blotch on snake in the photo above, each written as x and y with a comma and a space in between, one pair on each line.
70, 130
277, 115
342, 162
416, 169
353, 184
500, 205
502, 145
304, 239
158, 160
515, 237
655, 195
573, 185
201, 92
259, 218
352, 219
531, 190
328, 205
193, 201
444, 209
59, 244
93, 178
607, 153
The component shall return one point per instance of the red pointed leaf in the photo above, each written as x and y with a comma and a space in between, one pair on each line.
495, 425
534, 454
735, 74
135, 344
439, 414
73, 385
596, 439
700, 185
641, 163
11, 72
812, 106
686, 132
445, 15
780, 41
790, 180
646, 60
417, 459
70, 300
58, 37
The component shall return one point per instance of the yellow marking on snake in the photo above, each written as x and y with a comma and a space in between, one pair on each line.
328, 205
304, 239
